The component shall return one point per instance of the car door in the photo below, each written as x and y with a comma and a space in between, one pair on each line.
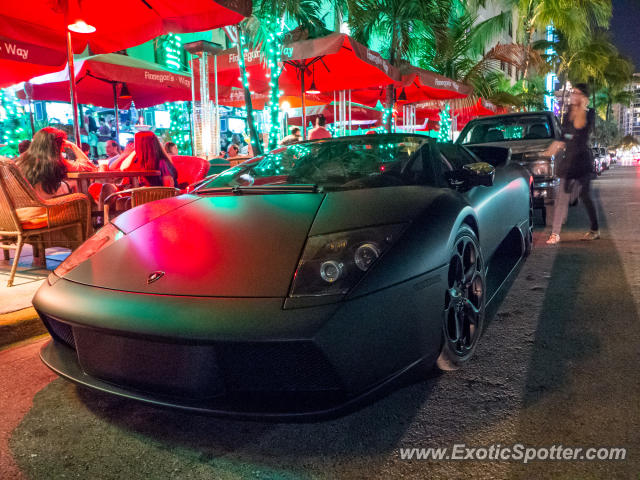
492, 213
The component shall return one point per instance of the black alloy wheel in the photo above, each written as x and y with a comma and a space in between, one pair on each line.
464, 302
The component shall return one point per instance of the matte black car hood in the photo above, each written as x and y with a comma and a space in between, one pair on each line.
236, 245
231, 246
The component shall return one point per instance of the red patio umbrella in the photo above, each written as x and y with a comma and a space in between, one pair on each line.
100, 76
21, 61
330, 63
112, 25
334, 62
418, 85
118, 24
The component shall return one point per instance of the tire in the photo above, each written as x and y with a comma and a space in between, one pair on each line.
464, 302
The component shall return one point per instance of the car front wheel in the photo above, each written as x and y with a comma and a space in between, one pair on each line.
464, 302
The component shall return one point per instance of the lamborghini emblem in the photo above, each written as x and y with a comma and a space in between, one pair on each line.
154, 277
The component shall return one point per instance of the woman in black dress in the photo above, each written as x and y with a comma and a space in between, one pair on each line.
578, 163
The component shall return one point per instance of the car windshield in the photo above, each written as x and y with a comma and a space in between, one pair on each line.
506, 129
365, 161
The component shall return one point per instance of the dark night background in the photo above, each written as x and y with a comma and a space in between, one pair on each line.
625, 27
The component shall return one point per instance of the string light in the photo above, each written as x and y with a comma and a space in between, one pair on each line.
172, 51
445, 124
179, 129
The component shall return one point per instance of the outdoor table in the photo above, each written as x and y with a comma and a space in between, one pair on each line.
84, 178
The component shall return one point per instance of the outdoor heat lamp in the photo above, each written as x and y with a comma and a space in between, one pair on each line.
80, 26
74, 18
124, 92
313, 90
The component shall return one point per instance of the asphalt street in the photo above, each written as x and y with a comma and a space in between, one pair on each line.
558, 365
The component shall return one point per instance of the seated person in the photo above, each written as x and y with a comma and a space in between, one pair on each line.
86, 149
294, 137
75, 159
171, 148
113, 150
114, 162
233, 151
23, 146
42, 163
149, 155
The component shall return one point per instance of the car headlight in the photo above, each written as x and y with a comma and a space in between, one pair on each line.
102, 239
542, 168
332, 264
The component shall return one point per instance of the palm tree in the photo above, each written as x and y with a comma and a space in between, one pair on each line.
575, 19
456, 46
396, 24
267, 28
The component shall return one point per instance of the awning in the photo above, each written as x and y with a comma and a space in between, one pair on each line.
39, 28
417, 85
148, 83
119, 24
334, 62
20, 61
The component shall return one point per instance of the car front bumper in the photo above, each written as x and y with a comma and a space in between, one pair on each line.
544, 191
240, 357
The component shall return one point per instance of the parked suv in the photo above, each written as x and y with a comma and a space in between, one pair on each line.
528, 134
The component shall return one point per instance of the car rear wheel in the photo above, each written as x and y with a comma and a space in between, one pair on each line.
464, 302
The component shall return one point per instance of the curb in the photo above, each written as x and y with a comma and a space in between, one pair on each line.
20, 325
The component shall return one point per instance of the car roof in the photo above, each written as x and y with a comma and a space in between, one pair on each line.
513, 115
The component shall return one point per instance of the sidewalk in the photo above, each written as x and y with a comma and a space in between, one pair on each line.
18, 319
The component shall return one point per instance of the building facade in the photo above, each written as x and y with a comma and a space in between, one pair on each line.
628, 117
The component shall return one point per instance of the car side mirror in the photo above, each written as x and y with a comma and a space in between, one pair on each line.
472, 175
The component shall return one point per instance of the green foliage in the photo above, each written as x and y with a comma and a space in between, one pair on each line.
606, 131
14, 124
455, 46
179, 131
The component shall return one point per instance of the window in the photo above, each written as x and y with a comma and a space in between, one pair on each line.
456, 156
506, 129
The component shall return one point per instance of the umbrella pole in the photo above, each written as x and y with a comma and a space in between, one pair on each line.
350, 131
72, 88
335, 118
33, 124
192, 124
115, 108
304, 114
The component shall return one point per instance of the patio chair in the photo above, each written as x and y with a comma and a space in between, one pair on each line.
190, 169
26, 218
135, 196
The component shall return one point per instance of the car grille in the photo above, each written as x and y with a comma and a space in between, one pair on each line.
275, 366
59, 330
199, 370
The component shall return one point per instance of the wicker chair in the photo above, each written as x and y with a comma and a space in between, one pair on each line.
26, 218
136, 196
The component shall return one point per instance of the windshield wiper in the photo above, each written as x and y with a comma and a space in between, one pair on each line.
240, 189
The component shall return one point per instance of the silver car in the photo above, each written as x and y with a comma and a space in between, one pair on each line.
528, 135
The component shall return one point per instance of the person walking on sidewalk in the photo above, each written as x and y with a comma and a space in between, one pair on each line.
578, 163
